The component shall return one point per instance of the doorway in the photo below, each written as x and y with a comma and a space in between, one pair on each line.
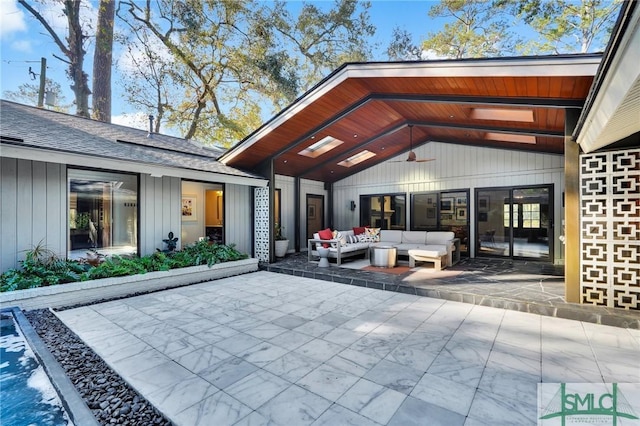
315, 214
515, 222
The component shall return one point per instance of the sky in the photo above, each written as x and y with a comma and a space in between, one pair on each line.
24, 42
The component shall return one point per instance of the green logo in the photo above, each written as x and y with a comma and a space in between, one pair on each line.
588, 404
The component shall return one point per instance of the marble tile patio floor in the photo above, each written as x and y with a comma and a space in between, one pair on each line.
276, 349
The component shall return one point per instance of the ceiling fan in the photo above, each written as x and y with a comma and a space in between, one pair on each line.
412, 155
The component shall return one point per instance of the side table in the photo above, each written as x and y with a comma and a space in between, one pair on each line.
324, 261
383, 256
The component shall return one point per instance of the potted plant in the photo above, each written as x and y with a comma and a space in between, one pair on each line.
282, 243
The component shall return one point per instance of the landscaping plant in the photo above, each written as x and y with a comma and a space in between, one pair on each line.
41, 267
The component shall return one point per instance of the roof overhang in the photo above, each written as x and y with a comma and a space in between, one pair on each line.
369, 106
154, 170
613, 112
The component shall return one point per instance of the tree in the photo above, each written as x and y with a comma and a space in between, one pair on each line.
28, 94
228, 57
102, 58
402, 48
566, 26
317, 42
73, 50
478, 29
146, 70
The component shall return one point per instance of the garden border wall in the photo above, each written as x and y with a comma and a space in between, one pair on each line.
90, 291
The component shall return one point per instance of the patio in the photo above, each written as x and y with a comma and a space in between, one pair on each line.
268, 348
526, 286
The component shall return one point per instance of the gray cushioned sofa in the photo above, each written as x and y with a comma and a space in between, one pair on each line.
402, 240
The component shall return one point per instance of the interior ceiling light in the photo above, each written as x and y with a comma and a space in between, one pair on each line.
510, 137
356, 159
523, 115
324, 145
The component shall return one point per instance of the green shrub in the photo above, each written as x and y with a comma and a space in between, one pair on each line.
42, 267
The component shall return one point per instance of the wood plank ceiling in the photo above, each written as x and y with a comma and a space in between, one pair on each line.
375, 107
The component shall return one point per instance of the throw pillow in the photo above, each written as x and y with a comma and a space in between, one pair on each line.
352, 239
362, 238
325, 234
337, 235
373, 234
358, 230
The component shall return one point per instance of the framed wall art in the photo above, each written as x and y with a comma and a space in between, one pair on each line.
189, 207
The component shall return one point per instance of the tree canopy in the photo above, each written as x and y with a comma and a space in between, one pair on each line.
231, 60
213, 70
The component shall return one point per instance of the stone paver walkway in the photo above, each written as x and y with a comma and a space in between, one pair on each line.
273, 349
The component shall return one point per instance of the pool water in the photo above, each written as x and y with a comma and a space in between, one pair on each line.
27, 396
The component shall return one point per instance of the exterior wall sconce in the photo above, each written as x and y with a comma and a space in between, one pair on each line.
352, 205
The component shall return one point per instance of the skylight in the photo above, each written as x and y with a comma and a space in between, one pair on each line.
324, 145
357, 158
510, 137
524, 115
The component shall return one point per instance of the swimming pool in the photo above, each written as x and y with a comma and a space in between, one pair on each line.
28, 397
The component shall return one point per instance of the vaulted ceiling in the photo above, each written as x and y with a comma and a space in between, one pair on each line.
382, 108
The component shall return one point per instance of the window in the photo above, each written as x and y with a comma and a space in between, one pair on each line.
103, 213
531, 215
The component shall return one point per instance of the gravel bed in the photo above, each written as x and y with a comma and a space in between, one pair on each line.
111, 400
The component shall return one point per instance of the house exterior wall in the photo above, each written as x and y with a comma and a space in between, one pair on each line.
238, 215
456, 167
159, 211
33, 208
286, 184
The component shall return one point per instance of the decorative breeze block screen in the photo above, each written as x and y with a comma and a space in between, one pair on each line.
610, 229
261, 226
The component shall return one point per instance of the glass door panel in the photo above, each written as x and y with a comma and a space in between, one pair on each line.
514, 222
531, 225
493, 213
387, 211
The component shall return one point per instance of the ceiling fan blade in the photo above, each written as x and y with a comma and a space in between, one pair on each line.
425, 160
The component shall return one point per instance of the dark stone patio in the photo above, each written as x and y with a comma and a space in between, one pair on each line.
534, 287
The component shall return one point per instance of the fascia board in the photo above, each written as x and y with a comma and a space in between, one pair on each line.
623, 74
79, 160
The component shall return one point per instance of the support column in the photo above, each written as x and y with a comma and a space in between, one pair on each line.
571, 210
298, 213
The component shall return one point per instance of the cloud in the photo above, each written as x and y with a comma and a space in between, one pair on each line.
23, 46
12, 19
136, 120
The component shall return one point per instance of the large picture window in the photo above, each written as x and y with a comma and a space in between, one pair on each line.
103, 213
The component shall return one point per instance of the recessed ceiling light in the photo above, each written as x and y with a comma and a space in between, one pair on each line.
502, 114
285, 161
355, 135
357, 158
510, 137
323, 145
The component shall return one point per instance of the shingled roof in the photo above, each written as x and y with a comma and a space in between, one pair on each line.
30, 127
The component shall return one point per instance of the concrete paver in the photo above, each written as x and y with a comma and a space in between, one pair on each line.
268, 348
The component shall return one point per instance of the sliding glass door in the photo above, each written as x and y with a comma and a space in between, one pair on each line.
515, 222
387, 211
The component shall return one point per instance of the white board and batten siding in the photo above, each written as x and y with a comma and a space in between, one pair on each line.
455, 167
286, 184
238, 216
160, 211
33, 208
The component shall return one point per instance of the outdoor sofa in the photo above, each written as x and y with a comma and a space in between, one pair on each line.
346, 244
